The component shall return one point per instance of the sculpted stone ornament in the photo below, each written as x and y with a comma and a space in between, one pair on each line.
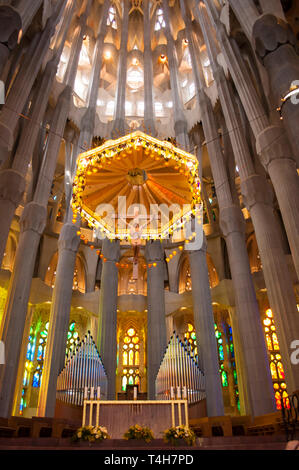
270, 33
10, 25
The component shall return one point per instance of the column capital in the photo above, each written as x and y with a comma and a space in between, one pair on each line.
255, 190
68, 238
12, 186
10, 25
111, 250
33, 218
231, 220
273, 144
154, 251
203, 248
269, 33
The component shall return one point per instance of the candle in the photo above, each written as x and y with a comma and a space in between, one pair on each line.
185, 392
85, 393
172, 393
135, 393
92, 393
179, 393
98, 393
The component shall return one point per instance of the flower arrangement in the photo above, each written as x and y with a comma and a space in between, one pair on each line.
91, 434
177, 434
140, 433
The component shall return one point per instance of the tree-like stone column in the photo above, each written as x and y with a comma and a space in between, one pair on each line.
276, 47
69, 241
258, 198
156, 322
272, 142
12, 180
119, 115
32, 224
261, 399
107, 340
149, 118
180, 122
205, 331
17, 98
19, 288
10, 26
59, 319
259, 382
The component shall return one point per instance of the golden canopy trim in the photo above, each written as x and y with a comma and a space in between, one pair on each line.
147, 172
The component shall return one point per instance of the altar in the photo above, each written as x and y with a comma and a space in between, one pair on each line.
119, 415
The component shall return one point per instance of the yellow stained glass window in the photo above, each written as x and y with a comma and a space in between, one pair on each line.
131, 357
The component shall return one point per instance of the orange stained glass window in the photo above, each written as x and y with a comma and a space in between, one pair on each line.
276, 366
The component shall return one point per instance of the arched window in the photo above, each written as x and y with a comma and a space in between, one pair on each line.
253, 254
79, 274
160, 23
276, 367
226, 356
130, 359
9, 254
111, 20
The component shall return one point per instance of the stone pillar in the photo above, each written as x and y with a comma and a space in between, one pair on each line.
156, 322
28, 138
22, 86
10, 26
59, 319
277, 157
68, 245
32, 223
107, 340
27, 12
258, 199
205, 331
276, 47
272, 6
232, 225
272, 143
259, 382
149, 116
180, 122
119, 125
26, 251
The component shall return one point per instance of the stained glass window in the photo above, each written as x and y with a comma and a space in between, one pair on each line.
35, 356
276, 366
72, 338
190, 338
188, 281
130, 358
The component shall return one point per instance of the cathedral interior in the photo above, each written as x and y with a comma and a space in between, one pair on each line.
150, 100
